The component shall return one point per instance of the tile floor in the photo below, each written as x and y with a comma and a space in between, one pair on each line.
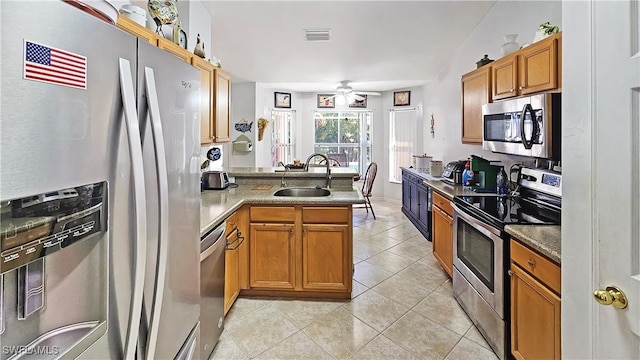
402, 307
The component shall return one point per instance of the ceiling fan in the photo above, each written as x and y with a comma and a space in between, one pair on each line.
347, 91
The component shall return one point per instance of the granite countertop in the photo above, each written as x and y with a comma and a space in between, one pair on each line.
545, 239
217, 205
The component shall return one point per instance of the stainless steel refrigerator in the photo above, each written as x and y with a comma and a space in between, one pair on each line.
99, 191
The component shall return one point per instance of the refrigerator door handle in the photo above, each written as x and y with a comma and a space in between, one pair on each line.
135, 150
163, 189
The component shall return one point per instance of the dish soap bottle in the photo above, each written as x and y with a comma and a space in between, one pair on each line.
467, 175
501, 182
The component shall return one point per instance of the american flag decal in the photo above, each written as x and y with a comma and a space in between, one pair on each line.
54, 66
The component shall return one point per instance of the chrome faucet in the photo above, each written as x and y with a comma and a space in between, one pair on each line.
282, 182
326, 160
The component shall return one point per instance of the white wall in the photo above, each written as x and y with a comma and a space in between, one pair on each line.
243, 100
442, 96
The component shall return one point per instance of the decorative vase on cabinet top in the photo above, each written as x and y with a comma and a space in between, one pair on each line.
510, 45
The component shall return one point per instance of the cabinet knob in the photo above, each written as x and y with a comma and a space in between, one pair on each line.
612, 295
512, 89
531, 263
521, 88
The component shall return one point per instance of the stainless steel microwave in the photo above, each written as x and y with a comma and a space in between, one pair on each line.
527, 126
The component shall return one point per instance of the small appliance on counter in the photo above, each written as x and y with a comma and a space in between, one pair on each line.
435, 168
421, 163
215, 180
452, 173
485, 174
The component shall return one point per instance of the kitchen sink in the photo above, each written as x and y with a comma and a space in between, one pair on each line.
302, 192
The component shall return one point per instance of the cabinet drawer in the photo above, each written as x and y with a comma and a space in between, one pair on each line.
442, 202
535, 264
273, 214
325, 215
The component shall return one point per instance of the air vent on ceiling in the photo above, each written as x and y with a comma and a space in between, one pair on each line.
317, 34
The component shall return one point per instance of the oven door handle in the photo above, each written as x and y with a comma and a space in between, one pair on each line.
478, 224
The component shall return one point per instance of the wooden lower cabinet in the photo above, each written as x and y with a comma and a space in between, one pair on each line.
443, 239
272, 256
300, 251
325, 261
535, 305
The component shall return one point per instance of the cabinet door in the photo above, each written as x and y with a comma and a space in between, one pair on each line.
326, 257
176, 50
533, 337
413, 202
272, 256
539, 67
443, 239
231, 270
406, 192
505, 77
206, 99
222, 105
422, 193
476, 91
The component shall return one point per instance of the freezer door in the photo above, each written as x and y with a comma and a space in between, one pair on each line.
55, 137
169, 92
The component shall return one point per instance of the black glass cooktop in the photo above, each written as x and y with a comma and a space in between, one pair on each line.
508, 210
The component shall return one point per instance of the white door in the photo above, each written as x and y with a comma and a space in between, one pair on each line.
601, 168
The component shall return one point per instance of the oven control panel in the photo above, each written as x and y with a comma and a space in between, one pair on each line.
542, 180
551, 180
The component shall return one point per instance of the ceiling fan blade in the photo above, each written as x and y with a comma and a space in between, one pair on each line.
373, 93
357, 96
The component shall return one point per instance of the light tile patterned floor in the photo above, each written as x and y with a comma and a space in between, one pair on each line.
402, 307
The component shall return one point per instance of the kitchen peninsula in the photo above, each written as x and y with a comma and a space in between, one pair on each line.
293, 246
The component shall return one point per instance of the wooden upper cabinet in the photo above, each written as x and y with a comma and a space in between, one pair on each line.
215, 102
176, 50
207, 73
476, 91
505, 77
136, 29
222, 105
530, 70
539, 65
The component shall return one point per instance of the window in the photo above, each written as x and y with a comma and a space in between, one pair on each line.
282, 137
402, 140
344, 136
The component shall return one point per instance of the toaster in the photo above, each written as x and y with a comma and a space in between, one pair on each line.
452, 173
214, 180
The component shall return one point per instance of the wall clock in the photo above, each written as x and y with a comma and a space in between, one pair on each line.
180, 36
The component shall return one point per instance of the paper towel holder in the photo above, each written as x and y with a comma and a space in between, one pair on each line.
242, 143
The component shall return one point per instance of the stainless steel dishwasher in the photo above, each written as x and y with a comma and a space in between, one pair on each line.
212, 254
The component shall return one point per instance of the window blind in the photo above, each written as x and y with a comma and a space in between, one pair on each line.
402, 140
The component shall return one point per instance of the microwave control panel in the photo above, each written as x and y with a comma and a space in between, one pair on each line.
36, 226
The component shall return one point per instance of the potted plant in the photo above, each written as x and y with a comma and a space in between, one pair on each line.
544, 30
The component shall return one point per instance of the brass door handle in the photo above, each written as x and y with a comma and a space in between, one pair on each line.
612, 295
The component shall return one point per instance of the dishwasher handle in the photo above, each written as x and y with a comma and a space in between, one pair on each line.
209, 242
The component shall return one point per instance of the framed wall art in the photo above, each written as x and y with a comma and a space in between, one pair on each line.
401, 98
359, 103
282, 100
326, 101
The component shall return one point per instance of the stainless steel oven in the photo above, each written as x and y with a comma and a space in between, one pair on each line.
479, 281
